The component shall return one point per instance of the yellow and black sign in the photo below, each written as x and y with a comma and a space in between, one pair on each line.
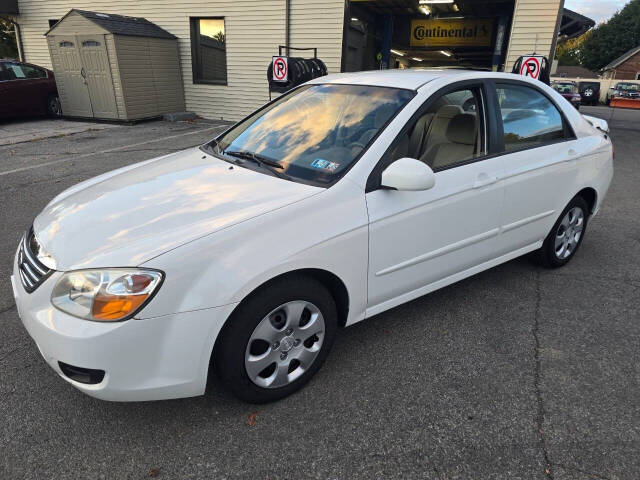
455, 32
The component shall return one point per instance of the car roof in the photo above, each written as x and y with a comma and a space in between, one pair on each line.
410, 78
400, 78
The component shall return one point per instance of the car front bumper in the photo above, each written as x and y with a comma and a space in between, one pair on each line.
152, 359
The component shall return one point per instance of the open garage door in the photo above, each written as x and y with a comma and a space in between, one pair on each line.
410, 34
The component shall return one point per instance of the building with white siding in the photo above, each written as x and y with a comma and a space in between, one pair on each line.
225, 46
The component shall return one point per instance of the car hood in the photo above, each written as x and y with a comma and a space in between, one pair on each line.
128, 216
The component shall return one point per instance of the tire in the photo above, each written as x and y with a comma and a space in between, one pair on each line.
289, 359
554, 254
54, 108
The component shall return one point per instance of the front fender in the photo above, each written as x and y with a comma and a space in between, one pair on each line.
328, 231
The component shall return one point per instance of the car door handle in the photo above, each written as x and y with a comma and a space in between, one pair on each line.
572, 152
483, 180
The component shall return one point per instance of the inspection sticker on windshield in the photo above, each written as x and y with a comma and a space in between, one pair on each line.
325, 164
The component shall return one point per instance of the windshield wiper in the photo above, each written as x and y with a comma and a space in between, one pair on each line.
272, 165
259, 159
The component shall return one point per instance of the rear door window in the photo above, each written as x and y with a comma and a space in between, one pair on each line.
33, 72
529, 118
16, 69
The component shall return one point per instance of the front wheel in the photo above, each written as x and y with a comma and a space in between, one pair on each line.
566, 236
276, 340
54, 108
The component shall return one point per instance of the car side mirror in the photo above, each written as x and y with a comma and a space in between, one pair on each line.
408, 174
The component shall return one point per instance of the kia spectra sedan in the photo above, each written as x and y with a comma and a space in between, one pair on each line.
341, 199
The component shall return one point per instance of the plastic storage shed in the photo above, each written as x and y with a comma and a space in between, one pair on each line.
115, 67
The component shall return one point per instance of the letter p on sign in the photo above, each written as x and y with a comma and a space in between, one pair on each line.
531, 66
280, 68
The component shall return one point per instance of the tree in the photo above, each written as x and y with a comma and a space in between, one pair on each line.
610, 40
219, 36
570, 52
8, 45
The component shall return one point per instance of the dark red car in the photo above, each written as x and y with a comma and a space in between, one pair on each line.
568, 90
27, 90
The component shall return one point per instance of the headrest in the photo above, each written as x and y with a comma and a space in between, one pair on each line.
449, 111
462, 129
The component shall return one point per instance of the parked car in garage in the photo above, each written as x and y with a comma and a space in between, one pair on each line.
27, 90
624, 90
568, 90
342, 198
589, 92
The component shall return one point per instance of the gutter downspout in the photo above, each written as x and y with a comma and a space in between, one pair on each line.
287, 20
16, 28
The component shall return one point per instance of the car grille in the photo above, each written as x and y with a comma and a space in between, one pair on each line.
32, 271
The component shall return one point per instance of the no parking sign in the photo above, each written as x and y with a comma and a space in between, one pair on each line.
531, 66
280, 69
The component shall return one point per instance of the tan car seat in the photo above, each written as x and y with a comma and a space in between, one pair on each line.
459, 145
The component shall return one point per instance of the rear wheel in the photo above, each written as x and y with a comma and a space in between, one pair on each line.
566, 236
276, 340
54, 108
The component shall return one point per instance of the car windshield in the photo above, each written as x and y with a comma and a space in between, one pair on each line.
627, 86
313, 134
565, 87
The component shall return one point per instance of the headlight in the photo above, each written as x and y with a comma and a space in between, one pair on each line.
105, 295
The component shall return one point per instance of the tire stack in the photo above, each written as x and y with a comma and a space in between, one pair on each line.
300, 70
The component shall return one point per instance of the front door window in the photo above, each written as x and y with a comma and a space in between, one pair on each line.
449, 133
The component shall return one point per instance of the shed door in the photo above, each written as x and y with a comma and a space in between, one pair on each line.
97, 73
73, 90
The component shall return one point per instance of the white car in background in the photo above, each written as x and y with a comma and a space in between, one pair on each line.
339, 200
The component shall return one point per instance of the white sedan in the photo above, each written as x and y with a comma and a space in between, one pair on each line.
339, 200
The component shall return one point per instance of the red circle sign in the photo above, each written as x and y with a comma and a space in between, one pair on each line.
280, 69
530, 67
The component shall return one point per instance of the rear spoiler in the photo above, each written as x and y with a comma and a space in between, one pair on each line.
598, 123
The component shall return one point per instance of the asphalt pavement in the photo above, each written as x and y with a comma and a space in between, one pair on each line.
515, 373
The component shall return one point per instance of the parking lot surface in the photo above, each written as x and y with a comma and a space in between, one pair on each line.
515, 373
12, 131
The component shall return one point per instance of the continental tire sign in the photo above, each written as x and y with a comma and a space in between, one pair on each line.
459, 32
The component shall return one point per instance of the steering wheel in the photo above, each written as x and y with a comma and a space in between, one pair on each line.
469, 105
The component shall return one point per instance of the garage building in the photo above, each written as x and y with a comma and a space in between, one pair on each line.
225, 46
